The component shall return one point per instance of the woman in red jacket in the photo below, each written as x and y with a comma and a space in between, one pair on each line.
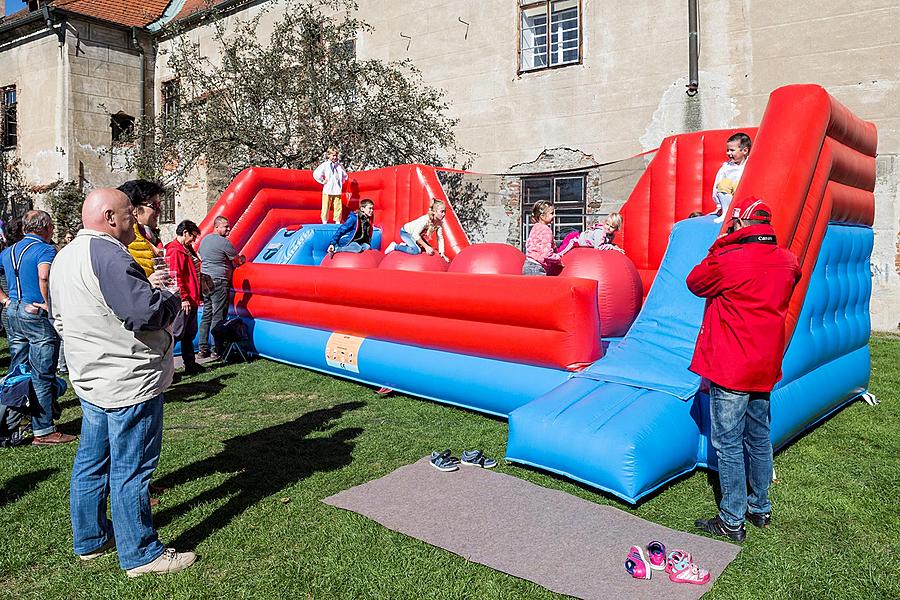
185, 263
747, 280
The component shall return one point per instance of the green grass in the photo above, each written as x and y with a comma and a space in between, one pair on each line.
251, 450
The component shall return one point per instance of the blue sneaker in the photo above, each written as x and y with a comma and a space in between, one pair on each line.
477, 458
442, 461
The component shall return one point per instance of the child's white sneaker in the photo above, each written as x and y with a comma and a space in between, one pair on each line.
391, 247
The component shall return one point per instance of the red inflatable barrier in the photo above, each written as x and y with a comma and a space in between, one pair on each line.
543, 321
370, 259
489, 259
401, 261
619, 290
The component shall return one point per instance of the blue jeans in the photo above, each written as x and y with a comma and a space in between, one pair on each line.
739, 424
409, 245
353, 247
33, 341
117, 454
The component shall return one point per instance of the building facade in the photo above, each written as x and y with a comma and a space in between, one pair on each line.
546, 92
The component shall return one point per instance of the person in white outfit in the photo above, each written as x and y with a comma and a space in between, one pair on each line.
331, 175
738, 150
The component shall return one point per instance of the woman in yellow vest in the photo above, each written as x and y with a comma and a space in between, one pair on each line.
145, 197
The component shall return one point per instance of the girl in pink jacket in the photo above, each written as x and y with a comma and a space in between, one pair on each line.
539, 254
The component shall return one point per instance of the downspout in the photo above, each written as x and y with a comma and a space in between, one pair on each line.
693, 49
61, 117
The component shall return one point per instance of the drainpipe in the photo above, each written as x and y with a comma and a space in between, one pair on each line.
61, 118
693, 49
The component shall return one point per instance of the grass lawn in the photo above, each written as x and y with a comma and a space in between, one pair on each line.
250, 450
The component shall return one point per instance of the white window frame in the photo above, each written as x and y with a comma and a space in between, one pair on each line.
541, 44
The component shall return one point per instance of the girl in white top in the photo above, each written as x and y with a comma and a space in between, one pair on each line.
424, 233
331, 175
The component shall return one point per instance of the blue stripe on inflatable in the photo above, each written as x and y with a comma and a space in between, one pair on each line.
491, 386
665, 331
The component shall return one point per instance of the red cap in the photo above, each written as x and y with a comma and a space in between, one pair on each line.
751, 208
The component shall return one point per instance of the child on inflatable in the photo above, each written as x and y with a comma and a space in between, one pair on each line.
738, 149
424, 233
354, 234
599, 236
331, 175
539, 255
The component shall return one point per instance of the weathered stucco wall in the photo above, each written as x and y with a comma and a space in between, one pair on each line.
105, 78
33, 67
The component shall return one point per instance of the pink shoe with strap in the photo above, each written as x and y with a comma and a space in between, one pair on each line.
656, 555
635, 564
681, 569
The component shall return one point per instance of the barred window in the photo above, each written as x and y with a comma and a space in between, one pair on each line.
167, 206
170, 103
549, 34
567, 194
9, 126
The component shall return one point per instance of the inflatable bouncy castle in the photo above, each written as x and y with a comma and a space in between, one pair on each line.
591, 367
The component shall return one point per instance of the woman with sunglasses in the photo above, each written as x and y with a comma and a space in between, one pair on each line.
145, 198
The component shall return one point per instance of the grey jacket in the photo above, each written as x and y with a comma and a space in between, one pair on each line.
113, 323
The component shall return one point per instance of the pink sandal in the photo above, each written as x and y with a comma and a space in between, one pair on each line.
681, 569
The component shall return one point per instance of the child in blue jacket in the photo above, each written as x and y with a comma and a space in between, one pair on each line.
354, 234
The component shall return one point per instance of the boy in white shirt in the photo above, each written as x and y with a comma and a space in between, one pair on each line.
331, 175
738, 149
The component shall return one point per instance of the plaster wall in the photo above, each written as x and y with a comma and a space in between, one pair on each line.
32, 64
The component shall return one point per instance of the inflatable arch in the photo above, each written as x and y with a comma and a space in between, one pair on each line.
622, 414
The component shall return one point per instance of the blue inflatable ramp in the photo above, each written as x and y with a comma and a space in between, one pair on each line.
626, 425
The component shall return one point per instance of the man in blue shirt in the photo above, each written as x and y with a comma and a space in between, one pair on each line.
32, 339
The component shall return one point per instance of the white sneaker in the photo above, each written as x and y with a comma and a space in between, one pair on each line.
391, 247
170, 561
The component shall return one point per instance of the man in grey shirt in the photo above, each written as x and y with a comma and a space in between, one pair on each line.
218, 258
114, 321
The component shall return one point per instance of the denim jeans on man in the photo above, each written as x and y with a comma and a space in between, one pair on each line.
215, 309
129, 439
740, 420
33, 341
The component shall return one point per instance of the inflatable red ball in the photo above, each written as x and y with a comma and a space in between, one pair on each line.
620, 292
401, 261
368, 259
488, 259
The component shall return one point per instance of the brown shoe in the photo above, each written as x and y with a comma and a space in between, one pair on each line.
57, 437
203, 354
154, 502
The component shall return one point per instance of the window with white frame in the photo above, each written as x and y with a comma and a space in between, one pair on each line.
549, 34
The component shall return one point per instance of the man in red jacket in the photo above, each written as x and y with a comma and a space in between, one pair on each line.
747, 280
182, 259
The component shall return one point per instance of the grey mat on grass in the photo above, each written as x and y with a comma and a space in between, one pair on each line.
556, 540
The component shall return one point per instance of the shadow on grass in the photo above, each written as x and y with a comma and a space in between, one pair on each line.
194, 390
261, 463
21, 485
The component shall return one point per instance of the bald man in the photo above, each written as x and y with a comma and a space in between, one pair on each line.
113, 321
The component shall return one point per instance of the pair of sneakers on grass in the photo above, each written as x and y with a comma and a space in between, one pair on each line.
677, 564
445, 461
